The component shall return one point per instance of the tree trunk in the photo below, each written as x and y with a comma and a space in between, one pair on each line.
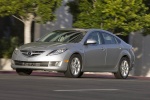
27, 31
27, 28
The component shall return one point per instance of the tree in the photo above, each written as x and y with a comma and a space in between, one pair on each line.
147, 27
117, 16
28, 11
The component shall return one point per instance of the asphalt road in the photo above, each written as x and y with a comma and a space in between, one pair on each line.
52, 86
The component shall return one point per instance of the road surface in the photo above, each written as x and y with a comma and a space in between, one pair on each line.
53, 86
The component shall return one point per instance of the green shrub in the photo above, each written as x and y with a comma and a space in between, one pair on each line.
7, 46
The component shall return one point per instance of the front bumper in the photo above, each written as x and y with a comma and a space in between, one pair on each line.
41, 62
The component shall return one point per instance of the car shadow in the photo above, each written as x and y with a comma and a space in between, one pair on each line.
84, 76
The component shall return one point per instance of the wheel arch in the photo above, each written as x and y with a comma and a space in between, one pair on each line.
68, 72
127, 55
81, 55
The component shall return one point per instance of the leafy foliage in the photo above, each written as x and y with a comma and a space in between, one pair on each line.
118, 16
7, 46
42, 10
147, 18
28, 11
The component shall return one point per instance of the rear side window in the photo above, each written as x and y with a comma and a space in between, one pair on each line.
109, 39
119, 41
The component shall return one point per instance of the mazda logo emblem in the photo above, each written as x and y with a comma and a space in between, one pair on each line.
29, 53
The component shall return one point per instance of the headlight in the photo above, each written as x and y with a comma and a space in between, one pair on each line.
16, 50
56, 52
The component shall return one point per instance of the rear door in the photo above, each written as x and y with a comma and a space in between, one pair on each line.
113, 49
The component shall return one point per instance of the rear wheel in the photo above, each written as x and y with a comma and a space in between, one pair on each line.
74, 67
123, 70
24, 71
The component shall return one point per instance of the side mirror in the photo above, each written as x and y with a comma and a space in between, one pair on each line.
90, 41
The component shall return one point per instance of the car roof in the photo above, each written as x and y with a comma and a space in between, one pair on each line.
80, 29
73, 29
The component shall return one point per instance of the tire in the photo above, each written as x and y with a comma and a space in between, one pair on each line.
24, 72
123, 69
74, 67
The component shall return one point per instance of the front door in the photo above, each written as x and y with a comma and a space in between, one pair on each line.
94, 54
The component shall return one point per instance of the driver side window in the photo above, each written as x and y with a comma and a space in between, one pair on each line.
94, 36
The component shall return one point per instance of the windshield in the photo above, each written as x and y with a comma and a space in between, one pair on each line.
64, 36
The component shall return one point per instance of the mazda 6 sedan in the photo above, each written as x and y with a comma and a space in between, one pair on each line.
74, 51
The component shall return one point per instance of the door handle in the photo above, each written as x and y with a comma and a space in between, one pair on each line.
120, 48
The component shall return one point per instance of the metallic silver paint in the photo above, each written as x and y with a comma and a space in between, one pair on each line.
95, 58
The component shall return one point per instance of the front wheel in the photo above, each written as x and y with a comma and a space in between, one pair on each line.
123, 70
74, 67
24, 71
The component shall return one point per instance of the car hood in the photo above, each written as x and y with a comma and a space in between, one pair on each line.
41, 45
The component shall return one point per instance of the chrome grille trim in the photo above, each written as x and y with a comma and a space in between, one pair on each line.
30, 53
26, 63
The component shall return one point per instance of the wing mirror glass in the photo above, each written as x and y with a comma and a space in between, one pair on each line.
90, 41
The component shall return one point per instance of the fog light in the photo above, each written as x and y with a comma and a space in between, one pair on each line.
66, 61
55, 63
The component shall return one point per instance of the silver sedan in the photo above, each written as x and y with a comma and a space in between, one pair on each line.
75, 51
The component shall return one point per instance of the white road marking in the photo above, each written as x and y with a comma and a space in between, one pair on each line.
80, 90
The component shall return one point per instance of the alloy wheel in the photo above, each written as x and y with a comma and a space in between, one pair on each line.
124, 68
75, 66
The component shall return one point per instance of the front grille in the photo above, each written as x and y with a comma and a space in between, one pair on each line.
30, 53
26, 63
